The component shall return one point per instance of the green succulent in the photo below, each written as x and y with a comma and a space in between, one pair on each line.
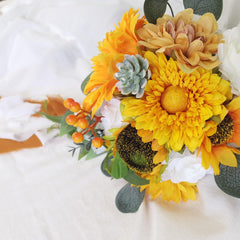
133, 75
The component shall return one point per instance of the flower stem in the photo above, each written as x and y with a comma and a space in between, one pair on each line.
170, 9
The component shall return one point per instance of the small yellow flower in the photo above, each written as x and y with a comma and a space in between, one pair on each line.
170, 191
176, 105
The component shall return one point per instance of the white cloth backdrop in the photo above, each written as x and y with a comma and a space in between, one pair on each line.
45, 194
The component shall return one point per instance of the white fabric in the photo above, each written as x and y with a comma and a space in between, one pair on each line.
46, 194
17, 122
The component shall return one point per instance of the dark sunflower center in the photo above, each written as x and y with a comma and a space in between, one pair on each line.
224, 131
134, 152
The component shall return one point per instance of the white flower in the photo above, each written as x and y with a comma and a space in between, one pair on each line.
184, 167
229, 55
112, 117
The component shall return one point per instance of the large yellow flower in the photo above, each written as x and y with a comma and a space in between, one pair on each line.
176, 105
117, 43
170, 191
214, 147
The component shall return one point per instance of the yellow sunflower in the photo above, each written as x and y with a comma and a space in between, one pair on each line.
176, 105
214, 148
117, 43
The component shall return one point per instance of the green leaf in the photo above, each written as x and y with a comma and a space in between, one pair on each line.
82, 153
229, 179
119, 168
203, 6
85, 81
154, 9
45, 103
91, 154
129, 199
109, 137
88, 146
133, 178
158, 177
54, 126
106, 165
56, 119
216, 119
65, 128
182, 150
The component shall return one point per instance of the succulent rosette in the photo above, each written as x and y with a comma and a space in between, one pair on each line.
158, 104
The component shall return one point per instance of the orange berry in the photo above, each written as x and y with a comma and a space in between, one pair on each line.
75, 107
71, 119
77, 137
82, 123
81, 115
97, 142
67, 102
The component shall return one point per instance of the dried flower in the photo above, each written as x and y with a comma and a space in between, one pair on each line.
194, 43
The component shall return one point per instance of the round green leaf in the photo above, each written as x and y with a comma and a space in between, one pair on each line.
154, 9
203, 6
229, 179
129, 199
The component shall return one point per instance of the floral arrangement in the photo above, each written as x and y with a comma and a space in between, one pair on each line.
162, 103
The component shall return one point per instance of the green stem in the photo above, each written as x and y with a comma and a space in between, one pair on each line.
170, 8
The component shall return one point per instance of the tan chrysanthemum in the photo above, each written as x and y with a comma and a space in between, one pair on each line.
194, 43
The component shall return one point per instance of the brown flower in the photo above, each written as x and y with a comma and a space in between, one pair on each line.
195, 44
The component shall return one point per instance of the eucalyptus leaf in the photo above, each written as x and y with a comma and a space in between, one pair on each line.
56, 119
119, 168
229, 179
85, 81
203, 6
133, 178
129, 199
154, 9
65, 128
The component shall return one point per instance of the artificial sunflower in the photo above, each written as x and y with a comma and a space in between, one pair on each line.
176, 105
170, 191
195, 44
139, 156
215, 148
117, 43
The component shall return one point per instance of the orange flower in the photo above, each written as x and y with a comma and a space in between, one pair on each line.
214, 148
194, 43
117, 43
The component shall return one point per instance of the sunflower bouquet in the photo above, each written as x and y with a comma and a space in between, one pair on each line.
160, 105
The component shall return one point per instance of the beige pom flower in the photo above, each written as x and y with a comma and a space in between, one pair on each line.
195, 44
